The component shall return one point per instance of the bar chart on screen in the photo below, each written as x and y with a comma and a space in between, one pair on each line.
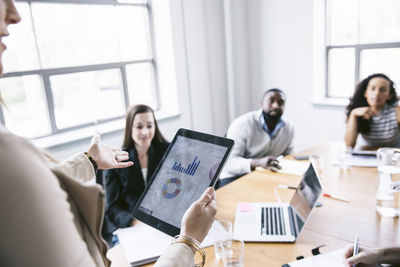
190, 170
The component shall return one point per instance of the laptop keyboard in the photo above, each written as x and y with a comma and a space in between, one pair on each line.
272, 221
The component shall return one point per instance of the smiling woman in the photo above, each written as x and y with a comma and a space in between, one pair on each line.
146, 146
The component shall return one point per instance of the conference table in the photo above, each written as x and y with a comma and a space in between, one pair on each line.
333, 225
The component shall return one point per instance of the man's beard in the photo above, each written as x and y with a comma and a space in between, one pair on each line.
268, 117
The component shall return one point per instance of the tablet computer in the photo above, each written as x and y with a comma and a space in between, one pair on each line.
191, 163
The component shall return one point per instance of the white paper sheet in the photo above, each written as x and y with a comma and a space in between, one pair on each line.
293, 167
359, 161
330, 259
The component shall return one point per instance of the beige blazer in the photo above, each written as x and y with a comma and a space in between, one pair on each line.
49, 216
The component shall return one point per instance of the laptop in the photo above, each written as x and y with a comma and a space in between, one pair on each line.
279, 222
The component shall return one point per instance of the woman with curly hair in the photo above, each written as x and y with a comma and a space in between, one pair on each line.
374, 113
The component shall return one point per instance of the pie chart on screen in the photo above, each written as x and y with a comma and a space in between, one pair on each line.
171, 188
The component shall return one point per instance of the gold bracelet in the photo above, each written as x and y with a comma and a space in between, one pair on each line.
193, 243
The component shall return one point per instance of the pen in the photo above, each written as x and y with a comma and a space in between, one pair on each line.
355, 248
336, 197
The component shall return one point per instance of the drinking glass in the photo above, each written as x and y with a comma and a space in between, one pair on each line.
222, 236
388, 193
233, 254
345, 157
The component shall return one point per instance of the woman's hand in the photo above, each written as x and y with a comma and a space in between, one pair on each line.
365, 112
200, 216
107, 157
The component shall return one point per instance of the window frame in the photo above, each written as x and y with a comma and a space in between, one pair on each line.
358, 48
45, 74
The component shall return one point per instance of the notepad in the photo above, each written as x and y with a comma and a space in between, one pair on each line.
330, 259
143, 244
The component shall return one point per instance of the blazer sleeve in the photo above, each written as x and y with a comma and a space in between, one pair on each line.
177, 255
115, 204
78, 166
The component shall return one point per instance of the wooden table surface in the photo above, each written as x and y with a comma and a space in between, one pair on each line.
334, 225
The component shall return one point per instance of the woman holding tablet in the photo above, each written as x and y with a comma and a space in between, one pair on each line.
51, 218
146, 146
374, 113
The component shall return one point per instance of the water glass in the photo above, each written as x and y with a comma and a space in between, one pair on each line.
222, 236
345, 157
233, 254
388, 193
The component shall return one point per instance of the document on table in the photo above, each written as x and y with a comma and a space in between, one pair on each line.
330, 259
142, 244
293, 167
359, 161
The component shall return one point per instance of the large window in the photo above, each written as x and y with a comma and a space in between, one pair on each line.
70, 64
362, 38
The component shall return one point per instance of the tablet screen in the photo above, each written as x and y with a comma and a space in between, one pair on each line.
186, 172
190, 165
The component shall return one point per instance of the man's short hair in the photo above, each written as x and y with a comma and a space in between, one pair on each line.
274, 90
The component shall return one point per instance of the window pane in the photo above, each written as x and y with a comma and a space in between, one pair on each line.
87, 97
341, 72
379, 21
381, 60
26, 112
91, 37
133, 1
133, 30
342, 22
141, 86
21, 51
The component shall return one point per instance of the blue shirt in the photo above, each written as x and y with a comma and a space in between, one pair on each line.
264, 125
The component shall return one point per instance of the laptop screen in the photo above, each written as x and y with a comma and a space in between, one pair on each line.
307, 194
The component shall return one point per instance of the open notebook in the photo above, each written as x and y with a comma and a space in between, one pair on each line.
142, 244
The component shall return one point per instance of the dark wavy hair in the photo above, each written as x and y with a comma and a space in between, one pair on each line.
130, 117
359, 100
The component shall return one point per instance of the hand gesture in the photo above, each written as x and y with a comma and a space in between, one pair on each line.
200, 216
267, 162
365, 112
107, 157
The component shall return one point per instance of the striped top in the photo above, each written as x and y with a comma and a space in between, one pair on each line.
384, 128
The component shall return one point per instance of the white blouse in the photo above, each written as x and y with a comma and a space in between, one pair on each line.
144, 173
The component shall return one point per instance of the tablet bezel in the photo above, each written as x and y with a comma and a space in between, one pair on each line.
158, 223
